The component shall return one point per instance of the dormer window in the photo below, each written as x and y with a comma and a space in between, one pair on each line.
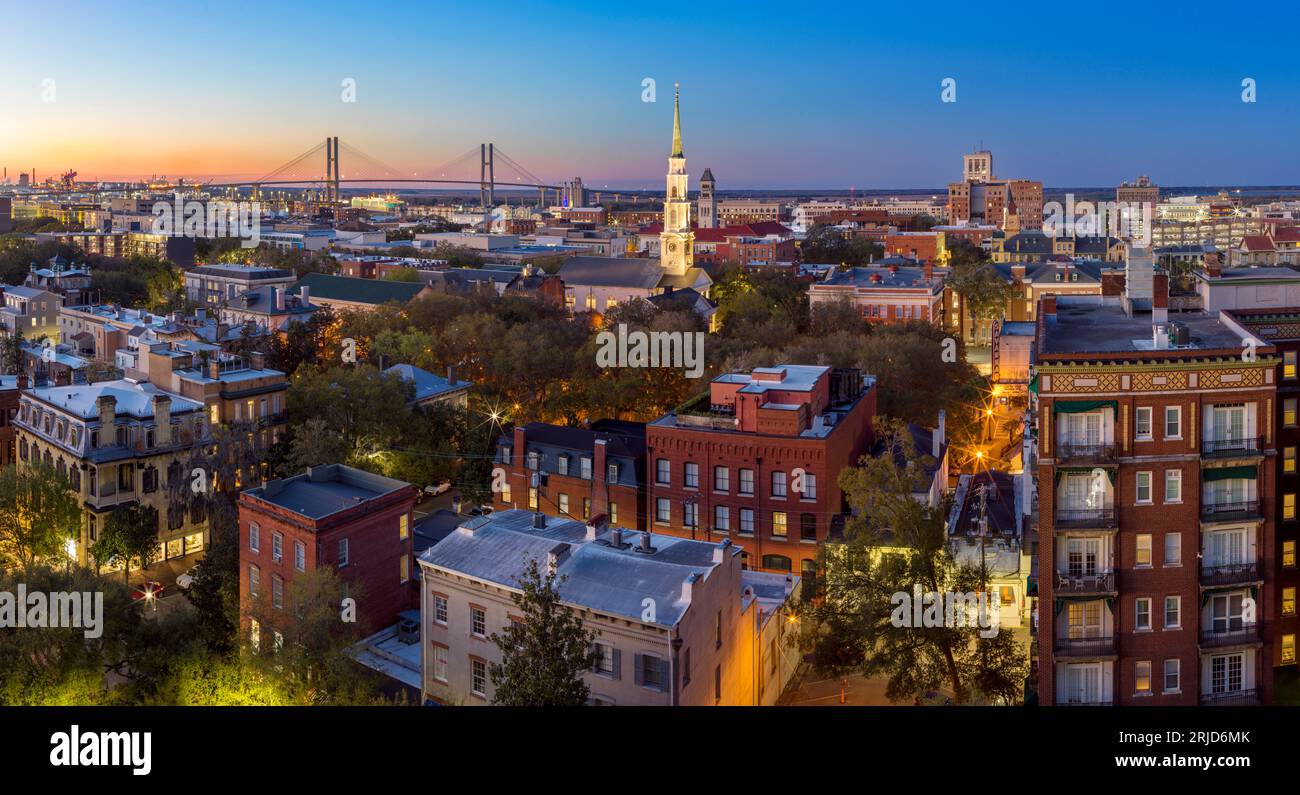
562, 465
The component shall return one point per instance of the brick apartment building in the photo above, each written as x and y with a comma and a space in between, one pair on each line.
890, 293
580, 472
1280, 328
333, 516
1156, 484
727, 465
11, 387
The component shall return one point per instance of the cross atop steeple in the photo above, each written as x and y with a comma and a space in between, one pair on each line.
677, 121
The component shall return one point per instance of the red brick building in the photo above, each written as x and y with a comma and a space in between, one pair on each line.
1156, 483
333, 516
576, 473
11, 387
757, 460
1281, 329
920, 246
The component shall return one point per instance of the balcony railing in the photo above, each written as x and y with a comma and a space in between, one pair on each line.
1247, 633
1081, 453
1223, 511
1229, 447
1232, 698
1085, 517
1084, 647
1099, 583
1216, 574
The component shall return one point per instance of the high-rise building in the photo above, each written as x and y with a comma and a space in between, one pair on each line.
708, 203
1156, 553
982, 198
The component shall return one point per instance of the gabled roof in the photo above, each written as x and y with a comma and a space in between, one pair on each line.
639, 273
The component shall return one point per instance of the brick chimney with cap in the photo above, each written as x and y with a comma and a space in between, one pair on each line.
1213, 265
214, 369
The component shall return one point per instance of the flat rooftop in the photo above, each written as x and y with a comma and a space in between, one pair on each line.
326, 490
1088, 326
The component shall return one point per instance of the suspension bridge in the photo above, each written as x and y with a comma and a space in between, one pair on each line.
323, 167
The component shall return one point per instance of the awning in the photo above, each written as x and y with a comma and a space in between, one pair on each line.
1249, 472
1083, 406
1033, 384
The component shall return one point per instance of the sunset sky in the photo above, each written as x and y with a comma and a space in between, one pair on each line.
773, 95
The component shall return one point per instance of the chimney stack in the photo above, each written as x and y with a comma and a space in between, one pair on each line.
162, 417
1213, 265
720, 551
304, 294
451, 374
937, 437
279, 299
214, 369
1160, 298
107, 406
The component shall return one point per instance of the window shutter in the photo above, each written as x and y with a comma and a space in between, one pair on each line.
618, 664
662, 665
639, 660
595, 657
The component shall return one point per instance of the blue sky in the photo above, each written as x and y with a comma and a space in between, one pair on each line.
773, 95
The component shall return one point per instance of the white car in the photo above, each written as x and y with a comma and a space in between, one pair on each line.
186, 580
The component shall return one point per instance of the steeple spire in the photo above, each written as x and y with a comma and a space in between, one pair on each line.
677, 121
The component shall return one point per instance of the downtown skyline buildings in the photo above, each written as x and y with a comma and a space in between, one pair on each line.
775, 99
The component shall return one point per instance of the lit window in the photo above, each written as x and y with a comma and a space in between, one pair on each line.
404, 568
1288, 601
1289, 412
1288, 460
1288, 554
1288, 364
1143, 556
1288, 506
403, 526
778, 524
1142, 677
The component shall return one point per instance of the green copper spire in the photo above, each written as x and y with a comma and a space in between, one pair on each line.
677, 121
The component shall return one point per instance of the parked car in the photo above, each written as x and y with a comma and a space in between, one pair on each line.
186, 580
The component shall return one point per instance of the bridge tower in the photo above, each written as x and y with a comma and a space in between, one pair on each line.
487, 186
332, 170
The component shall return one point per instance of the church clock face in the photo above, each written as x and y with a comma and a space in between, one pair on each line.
672, 246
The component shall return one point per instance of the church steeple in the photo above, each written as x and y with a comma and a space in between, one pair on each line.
677, 241
677, 121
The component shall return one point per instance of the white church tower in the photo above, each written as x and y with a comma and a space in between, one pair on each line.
677, 241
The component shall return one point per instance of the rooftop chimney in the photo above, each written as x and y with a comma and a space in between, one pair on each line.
688, 587
304, 294
595, 525
451, 374
214, 369
162, 417
555, 556
107, 406
1213, 265
720, 551
937, 437
279, 299
1160, 297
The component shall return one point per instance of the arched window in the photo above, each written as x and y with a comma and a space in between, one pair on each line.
778, 562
